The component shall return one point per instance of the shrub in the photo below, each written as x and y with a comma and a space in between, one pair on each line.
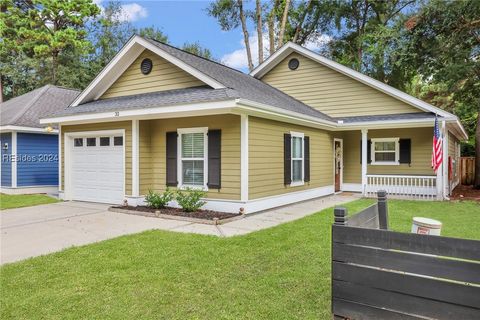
190, 199
159, 201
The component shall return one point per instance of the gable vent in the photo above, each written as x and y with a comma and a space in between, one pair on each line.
146, 66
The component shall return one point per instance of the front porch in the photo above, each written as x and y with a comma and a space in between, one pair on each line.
395, 160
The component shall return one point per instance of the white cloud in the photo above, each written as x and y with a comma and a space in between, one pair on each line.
238, 58
130, 12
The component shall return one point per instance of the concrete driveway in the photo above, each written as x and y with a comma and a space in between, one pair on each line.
33, 231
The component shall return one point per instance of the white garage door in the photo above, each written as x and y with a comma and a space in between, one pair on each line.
97, 172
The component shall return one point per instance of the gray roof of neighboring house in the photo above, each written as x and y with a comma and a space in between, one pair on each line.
387, 117
27, 110
238, 85
151, 100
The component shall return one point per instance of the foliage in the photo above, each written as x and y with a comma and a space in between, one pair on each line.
277, 273
24, 200
198, 50
159, 201
190, 199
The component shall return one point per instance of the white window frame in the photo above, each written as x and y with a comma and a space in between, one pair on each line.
397, 152
180, 159
302, 136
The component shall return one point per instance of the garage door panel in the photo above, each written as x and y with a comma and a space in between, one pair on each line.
97, 173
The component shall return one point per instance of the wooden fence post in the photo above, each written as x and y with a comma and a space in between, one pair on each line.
382, 209
340, 216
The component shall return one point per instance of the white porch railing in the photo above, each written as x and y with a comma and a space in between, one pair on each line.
400, 186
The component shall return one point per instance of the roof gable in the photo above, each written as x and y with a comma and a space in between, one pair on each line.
290, 47
330, 91
163, 76
124, 59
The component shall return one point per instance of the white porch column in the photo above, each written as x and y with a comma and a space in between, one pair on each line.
60, 160
364, 160
14, 159
446, 182
135, 159
244, 157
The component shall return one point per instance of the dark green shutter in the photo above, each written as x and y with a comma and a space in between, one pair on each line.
214, 158
369, 151
306, 170
405, 151
171, 161
287, 159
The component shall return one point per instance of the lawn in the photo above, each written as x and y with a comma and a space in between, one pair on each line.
23, 200
278, 273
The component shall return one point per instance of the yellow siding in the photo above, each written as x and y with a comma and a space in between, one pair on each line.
455, 157
330, 91
230, 163
266, 157
421, 139
164, 76
126, 125
145, 161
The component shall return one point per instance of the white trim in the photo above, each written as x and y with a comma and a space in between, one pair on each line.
364, 159
29, 190
341, 162
60, 157
244, 156
396, 151
68, 138
135, 158
290, 47
185, 110
300, 135
446, 191
180, 132
27, 129
14, 160
124, 58
352, 187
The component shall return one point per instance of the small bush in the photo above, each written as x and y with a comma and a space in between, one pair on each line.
159, 201
190, 199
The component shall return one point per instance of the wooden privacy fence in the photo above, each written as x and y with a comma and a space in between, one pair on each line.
467, 170
382, 274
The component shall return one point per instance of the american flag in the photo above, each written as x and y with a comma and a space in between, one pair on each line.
437, 153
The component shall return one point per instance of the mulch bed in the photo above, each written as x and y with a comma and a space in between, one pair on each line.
462, 192
200, 214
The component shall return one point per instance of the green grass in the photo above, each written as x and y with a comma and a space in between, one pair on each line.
278, 273
23, 200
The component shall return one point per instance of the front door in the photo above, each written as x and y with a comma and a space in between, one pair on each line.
338, 163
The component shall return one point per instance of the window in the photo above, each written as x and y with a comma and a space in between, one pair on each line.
118, 141
297, 158
385, 151
193, 157
104, 141
78, 142
91, 142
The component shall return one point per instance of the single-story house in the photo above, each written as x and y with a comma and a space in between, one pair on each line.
297, 127
30, 149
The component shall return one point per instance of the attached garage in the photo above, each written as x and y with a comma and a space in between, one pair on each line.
95, 163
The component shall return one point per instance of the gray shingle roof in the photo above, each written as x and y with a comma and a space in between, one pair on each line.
387, 117
27, 110
153, 99
246, 86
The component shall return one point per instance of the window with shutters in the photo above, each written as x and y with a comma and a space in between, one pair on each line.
192, 157
385, 151
298, 159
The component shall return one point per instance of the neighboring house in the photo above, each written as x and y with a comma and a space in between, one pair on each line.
299, 126
30, 149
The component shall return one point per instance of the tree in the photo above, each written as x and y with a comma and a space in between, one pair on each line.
258, 18
283, 25
443, 42
230, 14
198, 50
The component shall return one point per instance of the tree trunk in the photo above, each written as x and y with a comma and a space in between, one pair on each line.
477, 153
298, 29
271, 27
259, 31
245, 34
284, 24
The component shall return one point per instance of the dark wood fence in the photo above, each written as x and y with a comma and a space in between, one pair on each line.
381, 274
467, 170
